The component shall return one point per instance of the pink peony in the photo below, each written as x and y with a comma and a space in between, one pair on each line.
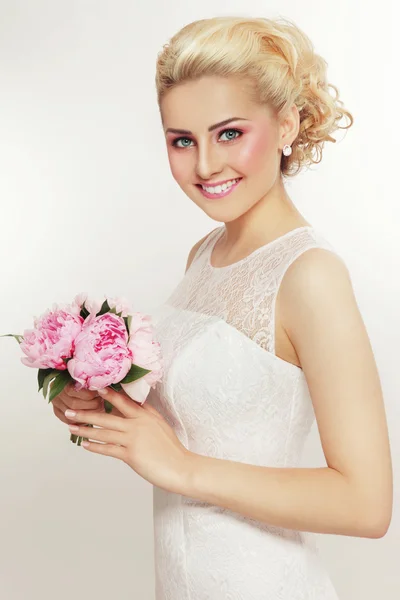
101, 355
93, 306
52, 339
146, 354
78, 302
121, 305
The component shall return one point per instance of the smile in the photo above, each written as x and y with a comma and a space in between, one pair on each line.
219, 191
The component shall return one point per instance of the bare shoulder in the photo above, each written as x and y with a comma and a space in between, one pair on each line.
196, 247
317, 277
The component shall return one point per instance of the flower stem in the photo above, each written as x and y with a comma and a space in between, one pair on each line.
77, 439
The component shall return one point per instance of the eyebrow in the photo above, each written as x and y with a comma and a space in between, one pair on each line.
211, 128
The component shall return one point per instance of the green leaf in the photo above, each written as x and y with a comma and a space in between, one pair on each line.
47, 380
59, 384
135, 373
42, 374
107, 406
116, 386
126, 323
84, 312
18, 337
104, 309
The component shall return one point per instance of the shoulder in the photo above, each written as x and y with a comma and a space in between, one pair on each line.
316, 284
316, 266
321, 317
197, 245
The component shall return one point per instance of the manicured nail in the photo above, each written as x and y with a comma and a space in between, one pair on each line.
104, 391
73, 428
70, 414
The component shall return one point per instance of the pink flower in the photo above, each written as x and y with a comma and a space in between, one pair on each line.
101, 355
52, 339
147, 354
93, 306
121, 305
77, 303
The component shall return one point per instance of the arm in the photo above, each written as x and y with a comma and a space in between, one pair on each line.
352, 495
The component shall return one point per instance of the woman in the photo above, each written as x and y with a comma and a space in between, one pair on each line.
261, 336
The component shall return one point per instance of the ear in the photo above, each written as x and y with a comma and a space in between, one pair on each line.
289, 126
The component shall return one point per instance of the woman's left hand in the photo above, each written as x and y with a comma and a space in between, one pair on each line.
142, 439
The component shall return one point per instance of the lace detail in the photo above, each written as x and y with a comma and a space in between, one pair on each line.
243, 294
227, 395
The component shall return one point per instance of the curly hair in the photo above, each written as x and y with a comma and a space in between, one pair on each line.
281, 63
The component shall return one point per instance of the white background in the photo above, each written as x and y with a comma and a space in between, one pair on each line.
88, 204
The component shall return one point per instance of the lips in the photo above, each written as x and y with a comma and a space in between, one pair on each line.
222, 194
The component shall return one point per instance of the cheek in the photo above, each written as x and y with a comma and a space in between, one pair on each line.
180, 165
255, 152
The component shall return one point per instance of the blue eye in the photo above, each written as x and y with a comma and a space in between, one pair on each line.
231, 131
228, 131
175, 142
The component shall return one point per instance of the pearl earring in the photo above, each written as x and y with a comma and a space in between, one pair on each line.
287, 150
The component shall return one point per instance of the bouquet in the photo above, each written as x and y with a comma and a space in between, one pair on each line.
96, 344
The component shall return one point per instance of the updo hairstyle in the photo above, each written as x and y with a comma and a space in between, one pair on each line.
279, 62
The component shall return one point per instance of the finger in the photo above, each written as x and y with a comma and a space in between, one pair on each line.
107, 450
76, 404
59, 412
83, 394
116, 412
128, 407
108, 436
59, 409
105, 420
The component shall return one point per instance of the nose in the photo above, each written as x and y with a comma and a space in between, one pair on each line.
209, 161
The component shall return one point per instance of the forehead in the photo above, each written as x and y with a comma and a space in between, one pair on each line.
209, 100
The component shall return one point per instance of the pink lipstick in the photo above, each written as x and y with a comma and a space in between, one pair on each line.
222, 194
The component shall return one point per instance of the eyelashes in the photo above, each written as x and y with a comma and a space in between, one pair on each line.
237, 131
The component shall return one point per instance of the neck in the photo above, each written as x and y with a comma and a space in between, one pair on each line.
269, 218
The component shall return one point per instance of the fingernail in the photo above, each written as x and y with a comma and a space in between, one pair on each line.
70, 414
103, 391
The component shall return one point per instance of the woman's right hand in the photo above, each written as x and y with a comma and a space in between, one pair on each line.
83, 399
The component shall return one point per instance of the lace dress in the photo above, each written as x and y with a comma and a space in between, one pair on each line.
227, 395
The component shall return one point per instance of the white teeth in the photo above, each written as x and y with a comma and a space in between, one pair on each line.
220, 188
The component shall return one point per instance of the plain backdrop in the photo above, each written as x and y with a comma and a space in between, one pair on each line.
88, 204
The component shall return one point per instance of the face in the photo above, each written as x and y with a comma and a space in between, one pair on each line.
243, 154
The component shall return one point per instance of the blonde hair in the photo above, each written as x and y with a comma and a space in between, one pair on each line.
281, 63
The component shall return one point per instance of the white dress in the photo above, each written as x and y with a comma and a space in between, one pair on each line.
227, 395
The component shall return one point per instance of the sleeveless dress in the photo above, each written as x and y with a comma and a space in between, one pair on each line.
227, 395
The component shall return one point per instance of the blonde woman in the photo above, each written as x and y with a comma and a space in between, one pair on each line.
261, 336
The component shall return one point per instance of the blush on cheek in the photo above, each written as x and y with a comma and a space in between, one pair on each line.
178, 166
255, 151
179, 173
